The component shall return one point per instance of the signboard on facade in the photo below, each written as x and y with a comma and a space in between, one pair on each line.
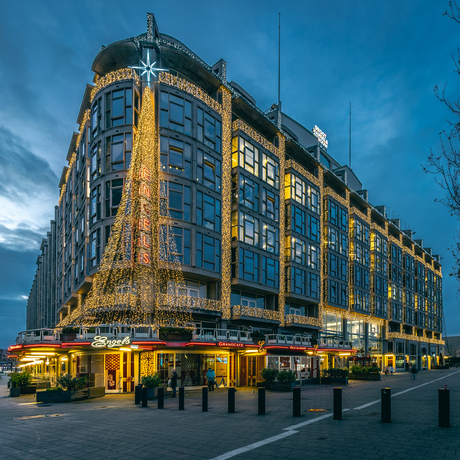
231, 344
101, 341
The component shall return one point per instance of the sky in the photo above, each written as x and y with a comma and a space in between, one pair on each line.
383, 57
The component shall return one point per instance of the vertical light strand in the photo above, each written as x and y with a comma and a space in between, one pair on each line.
226, 201
282, 225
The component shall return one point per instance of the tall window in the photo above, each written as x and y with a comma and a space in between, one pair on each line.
113, 193
174, 244
94, 248
270, 272
298, 220
270, 171
119, 107
118, 153
175, 200
270, 238
208, 170
95, 208
208, 252
248, 229
96, 118
248, 193
176, 157
270, 204
176, 113
209, 130
95, 161
245, 155
208, 211
313, 228
248, 265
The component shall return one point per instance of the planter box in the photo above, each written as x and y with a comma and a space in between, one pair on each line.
364, 377
53, 396
277, 386
15, 392
151, 393
96, 392
28, 389
329, 380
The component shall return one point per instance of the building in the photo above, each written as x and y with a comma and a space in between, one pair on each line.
194, 231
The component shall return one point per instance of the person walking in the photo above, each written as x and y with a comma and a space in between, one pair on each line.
210, 376
413, 372
174, 378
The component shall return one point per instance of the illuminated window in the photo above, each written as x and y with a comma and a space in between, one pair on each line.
176, 157
208, 170
176, 113
248, 229
248, 155
270, 171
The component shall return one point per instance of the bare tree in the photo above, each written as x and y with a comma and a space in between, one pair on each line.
444, 164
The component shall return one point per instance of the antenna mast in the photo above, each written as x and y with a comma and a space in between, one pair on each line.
349, 141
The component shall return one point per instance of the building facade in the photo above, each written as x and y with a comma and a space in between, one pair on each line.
284, 262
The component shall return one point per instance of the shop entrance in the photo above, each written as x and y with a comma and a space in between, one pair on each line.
250, 367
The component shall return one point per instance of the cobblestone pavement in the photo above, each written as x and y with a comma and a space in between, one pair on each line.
113, 427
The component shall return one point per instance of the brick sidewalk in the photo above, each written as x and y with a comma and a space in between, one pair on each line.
113, 427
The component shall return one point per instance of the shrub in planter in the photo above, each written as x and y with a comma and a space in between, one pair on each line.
20, 379
286, 377
151, 381
269, 375
336, 372
69, 383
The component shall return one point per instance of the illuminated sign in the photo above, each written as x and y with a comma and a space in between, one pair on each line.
320, 136
231, 344
144, 241
101, 341
14, 347
292, 347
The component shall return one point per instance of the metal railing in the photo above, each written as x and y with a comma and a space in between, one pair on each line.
216, 335
285, 339
38, 336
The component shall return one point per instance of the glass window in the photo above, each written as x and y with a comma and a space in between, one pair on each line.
270, 238
176, 157
174, 244
248, 193
113, 194
96, 118
248, 229
176, 113
209, 130
119, 107
313, 228
208, 252
270, 272
208, 211
95, 206
175, 200
270, 171
298, 220
270, 204
248, 155
248, 265
208, 170
118, 153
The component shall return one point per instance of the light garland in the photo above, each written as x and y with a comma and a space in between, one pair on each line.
135, 269
113, 77
254, 312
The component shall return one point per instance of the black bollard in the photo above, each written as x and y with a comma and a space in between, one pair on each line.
261, 402
231, 400
181, 398
204, 399
137, 394
385, 405
296, 401
161, 398
337, 404
144, 397
444, 407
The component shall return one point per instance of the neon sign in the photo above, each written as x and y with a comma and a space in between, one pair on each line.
101, 341
321, 136
231, 344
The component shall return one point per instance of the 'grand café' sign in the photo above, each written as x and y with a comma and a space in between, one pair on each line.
101, 341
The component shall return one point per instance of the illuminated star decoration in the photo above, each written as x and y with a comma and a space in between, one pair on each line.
148, 68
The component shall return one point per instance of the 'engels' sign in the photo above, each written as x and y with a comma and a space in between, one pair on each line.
101, 341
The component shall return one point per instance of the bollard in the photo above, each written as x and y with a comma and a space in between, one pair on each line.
204, 399
181, 398
231, 400
261, 401
444, 407
144, 397
337, 403
137, 394
296, 401
385, 405
161, 398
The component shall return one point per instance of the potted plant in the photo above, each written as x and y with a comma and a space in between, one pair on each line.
365, 373
151, 382
285, 380
335, 375
75, 386
269, 376
20, 384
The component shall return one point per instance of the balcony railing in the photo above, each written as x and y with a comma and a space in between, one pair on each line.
189, 303
283, 339
226, 335
134, 332
37, 336
253, 312
332, 342
306, 320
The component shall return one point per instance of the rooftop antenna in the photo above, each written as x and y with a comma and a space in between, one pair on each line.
279, 70
349, 141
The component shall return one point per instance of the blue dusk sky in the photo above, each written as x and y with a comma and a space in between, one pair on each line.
383, 57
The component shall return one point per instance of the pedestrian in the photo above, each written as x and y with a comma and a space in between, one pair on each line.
210, 376
173, 379
413, 372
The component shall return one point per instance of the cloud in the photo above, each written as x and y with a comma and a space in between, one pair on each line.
28, 193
